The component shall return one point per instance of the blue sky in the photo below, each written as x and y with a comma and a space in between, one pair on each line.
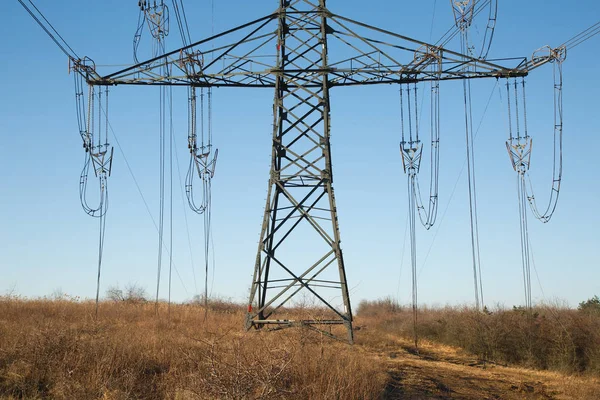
47, 242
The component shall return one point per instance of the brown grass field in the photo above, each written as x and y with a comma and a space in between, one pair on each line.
57, 350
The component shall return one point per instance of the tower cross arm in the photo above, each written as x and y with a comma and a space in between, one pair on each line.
358, 54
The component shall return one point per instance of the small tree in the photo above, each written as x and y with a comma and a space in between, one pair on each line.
58, 294
135, 293
114, 293
590, 305
132, 293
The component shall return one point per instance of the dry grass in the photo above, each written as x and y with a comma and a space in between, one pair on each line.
503, 354
550, 337
55, 349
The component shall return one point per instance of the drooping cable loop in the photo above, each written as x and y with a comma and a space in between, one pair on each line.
203, 159
520, 146
154, 16
490, 28
411, 150
557, 166
137, 37
98, 152
429, 217
465, 12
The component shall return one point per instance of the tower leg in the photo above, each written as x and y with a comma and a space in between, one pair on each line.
299, 276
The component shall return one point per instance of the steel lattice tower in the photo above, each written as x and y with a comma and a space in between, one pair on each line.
299, 251
300, 185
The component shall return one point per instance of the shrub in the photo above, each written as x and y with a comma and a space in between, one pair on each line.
133, 293
548, 337
590, 305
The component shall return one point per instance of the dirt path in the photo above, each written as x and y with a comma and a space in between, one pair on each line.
442, 372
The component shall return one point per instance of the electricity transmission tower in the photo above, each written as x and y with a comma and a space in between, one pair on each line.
303, 51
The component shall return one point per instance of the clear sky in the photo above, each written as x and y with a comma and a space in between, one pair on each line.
47, 242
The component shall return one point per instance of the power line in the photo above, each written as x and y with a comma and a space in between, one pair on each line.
582, 36
187, 228
170, 191
403, 253
139, 190
453, 191
464, 18
102, 220
62, 43
161, 215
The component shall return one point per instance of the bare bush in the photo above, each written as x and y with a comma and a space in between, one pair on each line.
216, 304
132, 293
386, 305
550, 336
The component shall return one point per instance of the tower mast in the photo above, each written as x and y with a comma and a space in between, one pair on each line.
300, 195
